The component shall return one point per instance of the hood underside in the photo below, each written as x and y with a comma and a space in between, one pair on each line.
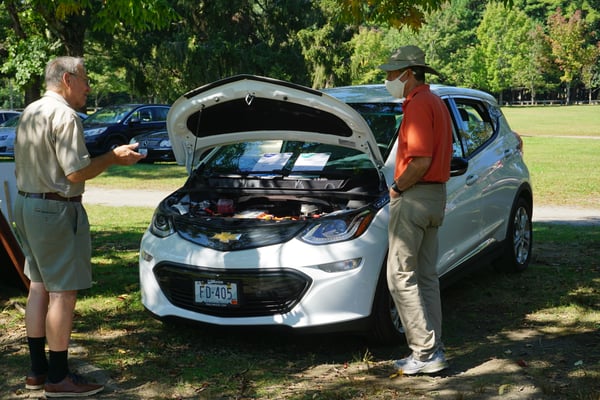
250, 108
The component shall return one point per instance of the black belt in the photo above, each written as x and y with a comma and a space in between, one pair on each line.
51, 196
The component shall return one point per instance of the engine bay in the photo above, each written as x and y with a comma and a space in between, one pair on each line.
263, 207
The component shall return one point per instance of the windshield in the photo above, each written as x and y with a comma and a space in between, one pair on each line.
11, 123
278, 157
109, 115
384, 120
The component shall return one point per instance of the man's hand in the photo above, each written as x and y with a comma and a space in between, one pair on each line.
122, 155
394, 194
126, 154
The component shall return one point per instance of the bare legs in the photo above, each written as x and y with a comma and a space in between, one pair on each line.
50, 314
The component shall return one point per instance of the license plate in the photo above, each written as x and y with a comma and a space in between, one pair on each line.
216, 293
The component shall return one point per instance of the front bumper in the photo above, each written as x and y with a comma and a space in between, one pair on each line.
279, 285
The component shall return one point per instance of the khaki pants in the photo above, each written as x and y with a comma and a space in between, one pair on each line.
411, 270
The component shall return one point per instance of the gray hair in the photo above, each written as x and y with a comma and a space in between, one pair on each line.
56, 68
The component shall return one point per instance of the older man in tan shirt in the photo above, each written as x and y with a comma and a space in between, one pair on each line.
52, 165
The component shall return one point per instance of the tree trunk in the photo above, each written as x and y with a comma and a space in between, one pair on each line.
33, 90
71, 32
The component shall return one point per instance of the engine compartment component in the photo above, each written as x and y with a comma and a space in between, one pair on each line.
255, 207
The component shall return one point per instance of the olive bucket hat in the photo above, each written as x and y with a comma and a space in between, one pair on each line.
406, 57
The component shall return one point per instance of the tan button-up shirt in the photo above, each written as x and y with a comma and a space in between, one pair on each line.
50, 145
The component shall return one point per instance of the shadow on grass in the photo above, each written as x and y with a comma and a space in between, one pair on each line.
533, 335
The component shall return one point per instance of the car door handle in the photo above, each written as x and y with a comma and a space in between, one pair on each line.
471, 179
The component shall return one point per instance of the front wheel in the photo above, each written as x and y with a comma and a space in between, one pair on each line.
519, 239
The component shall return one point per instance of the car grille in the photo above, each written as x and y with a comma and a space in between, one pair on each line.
233, 234
260, 292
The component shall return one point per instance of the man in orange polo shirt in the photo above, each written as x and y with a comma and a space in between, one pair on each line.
417, 203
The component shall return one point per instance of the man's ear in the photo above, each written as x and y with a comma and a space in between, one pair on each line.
66, 79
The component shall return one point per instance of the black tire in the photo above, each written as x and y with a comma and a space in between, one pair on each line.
519, 239
387, 327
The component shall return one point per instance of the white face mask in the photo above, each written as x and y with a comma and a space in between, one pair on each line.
396, 87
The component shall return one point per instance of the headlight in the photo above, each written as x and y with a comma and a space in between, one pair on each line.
162, 224
165, 143
339, 228
93, 132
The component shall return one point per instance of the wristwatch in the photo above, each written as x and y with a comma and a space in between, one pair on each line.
395, 188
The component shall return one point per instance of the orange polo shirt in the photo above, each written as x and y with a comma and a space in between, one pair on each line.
426, 131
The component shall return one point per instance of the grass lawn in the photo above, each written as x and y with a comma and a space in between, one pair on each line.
142, 176
504, 334
580, 120
564, 171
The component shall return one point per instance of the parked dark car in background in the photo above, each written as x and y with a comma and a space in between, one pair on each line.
157, 146
113, 126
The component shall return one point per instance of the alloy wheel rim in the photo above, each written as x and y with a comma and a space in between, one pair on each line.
522, 235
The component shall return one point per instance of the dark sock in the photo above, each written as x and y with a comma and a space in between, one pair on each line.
37, 354
58, 366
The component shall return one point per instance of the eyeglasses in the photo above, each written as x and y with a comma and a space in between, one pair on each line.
85, 80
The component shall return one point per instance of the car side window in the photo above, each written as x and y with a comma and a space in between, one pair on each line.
145, 115
150, 114
473, 124
160, 113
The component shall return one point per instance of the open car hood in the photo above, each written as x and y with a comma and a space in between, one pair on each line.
250, 108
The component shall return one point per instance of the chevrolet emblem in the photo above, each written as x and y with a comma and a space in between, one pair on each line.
226, 237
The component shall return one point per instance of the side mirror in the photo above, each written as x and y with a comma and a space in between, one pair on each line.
458, 166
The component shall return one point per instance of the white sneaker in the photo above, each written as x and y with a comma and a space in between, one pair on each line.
411, 366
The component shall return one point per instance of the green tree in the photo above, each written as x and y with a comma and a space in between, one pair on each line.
590, 72
568, 41
503, 37
394, 13
219, 38
535, 64
443, 29
368, 52
474, 73
27, 47
59, 27
447, 37
326, 46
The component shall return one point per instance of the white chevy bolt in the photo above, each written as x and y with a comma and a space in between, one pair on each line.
283, 219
